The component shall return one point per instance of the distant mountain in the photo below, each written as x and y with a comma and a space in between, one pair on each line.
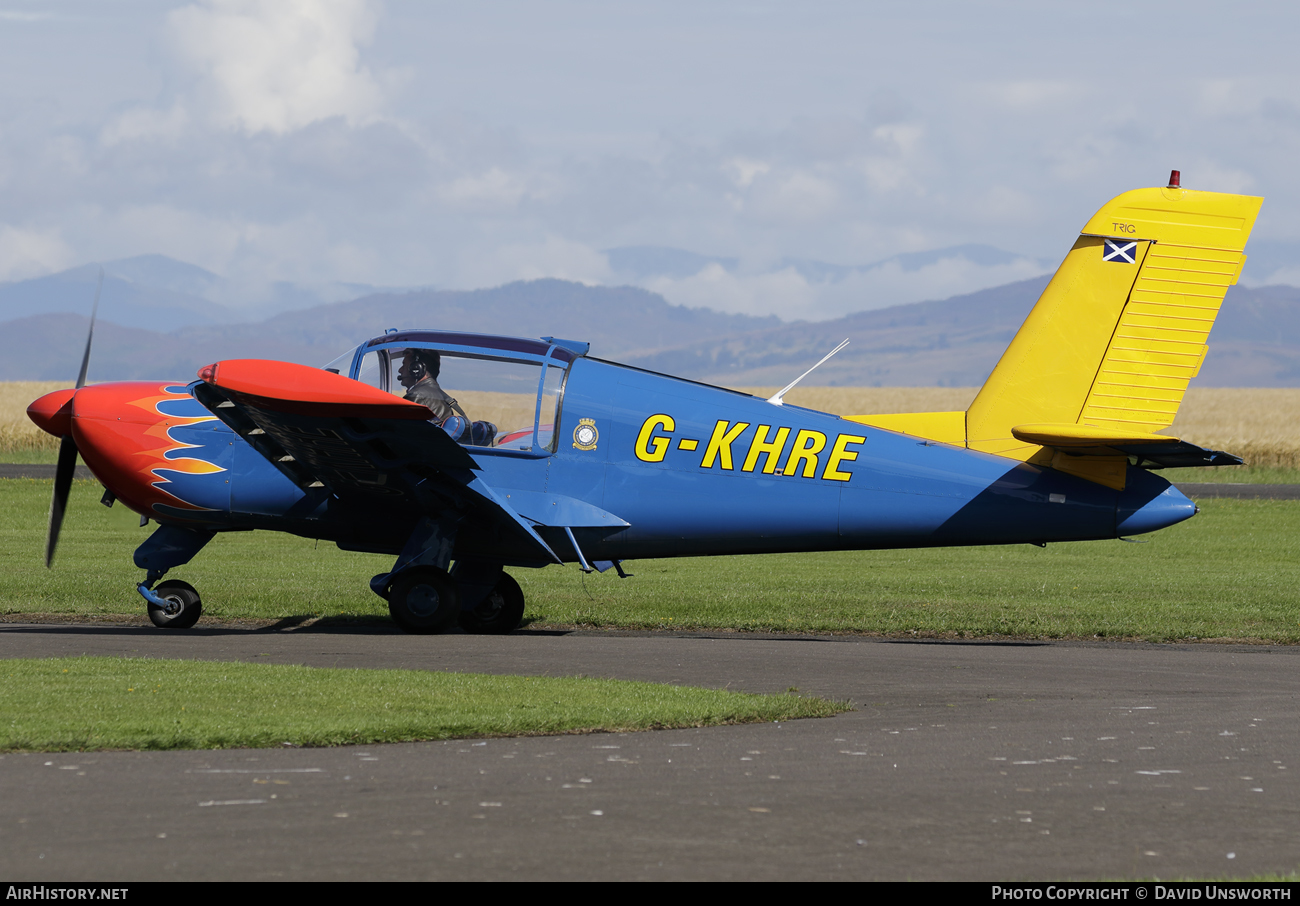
162, 306
642, 262
956, 342
154, 292
982, 255
646, 262
1271, 261
1256, 339
161, 294
619, 321
953, 342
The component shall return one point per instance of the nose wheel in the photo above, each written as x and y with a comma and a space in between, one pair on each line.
173, 604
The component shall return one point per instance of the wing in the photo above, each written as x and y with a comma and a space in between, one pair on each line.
371, 450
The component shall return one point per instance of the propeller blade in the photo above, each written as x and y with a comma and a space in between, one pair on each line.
90, 335
67, 466
59, 502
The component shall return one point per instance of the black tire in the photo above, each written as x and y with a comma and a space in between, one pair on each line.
499, 612
186, 600
424, 600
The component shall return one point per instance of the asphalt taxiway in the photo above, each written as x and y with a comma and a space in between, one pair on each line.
994, 761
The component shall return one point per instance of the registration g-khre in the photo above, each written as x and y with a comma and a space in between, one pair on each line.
461, 454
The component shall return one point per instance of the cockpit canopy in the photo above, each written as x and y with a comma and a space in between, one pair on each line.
507, 391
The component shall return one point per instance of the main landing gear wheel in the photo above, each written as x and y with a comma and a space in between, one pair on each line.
499, 612
183, 605
424, 600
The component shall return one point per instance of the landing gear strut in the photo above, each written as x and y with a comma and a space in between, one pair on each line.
172, 604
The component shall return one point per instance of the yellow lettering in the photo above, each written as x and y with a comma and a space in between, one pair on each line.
687, 443
807, 444
650, 448
720, 443
839, 454
759, 446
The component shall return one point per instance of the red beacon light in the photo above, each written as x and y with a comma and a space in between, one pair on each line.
1175, 179
208, 373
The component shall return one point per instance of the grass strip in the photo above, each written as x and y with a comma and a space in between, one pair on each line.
92, 703
1232, 475
1230, 573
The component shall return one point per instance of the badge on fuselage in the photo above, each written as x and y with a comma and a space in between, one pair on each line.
585, 435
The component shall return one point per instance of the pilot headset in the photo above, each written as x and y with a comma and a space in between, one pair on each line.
424, 361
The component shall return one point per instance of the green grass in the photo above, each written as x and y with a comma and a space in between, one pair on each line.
85, 703
49, 457
1230, 573
1233, 475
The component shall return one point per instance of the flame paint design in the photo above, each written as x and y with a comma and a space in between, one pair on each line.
192, 448
154, 444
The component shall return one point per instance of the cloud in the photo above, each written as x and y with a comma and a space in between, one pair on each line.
791, 296
1032, 95
743, 170
793, 197
271, 142
783, 293
146, 123
281, 65
11, 15
494, 188
551, 256
31, 252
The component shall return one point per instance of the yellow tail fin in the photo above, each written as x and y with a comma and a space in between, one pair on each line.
1114, 339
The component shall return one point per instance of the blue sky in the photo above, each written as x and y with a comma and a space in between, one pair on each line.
465, 145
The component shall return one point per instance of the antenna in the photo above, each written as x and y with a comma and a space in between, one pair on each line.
777, 398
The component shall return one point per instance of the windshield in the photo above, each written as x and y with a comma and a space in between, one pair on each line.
481, 401
343, 364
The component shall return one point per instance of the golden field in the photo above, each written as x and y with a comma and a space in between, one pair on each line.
17, 433
1260, 425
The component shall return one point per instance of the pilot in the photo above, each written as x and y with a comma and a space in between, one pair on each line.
419, 375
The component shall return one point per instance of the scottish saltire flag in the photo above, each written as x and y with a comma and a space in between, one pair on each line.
1119, 251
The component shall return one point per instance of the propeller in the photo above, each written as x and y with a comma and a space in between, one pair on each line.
67, 466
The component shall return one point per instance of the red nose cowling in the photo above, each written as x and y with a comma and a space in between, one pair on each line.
53, 412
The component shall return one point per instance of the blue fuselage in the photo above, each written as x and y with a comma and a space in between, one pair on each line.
699, 470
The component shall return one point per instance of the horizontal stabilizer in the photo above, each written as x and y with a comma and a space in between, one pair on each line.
1079, 449
1179, 455
1085, 436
